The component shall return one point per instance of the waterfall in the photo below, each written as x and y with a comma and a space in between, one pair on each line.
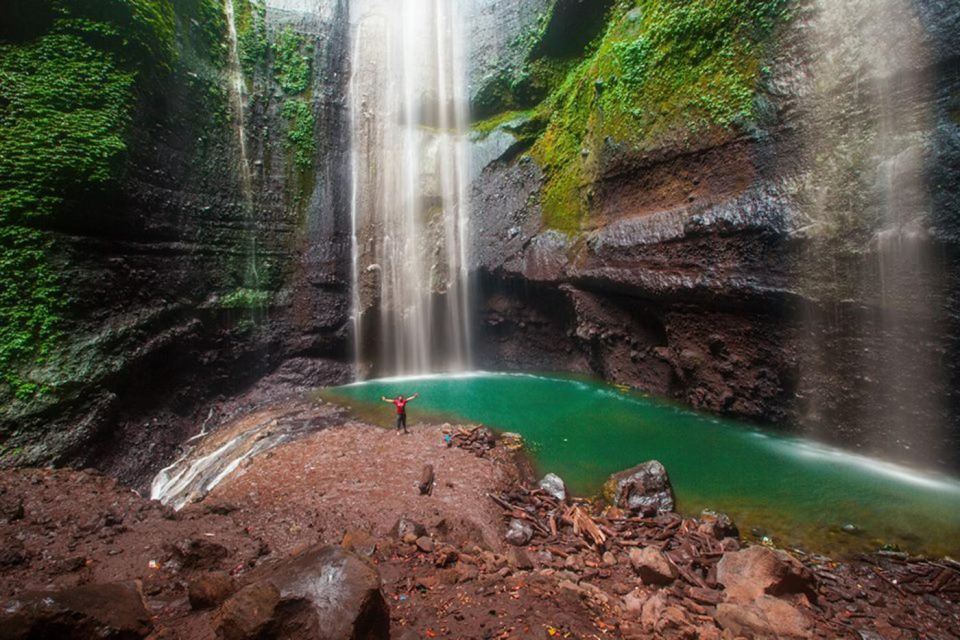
871, 104
409, 123
238, 101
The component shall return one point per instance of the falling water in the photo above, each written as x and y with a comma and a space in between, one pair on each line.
238, 100
409, 116
871, 145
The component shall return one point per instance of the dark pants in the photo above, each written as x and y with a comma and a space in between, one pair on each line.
402, 421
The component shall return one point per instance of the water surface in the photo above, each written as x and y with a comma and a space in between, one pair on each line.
799, 492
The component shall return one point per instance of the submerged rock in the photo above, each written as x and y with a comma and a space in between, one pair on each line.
718, 525
756, 571
97, 611
643, 489
518, 533
554, 485
325, 593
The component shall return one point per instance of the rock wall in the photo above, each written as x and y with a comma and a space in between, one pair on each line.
173, 286
787, 256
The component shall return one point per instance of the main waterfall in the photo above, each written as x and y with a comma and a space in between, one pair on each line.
409, 114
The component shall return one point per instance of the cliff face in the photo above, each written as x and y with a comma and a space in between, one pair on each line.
165, 279
754, 212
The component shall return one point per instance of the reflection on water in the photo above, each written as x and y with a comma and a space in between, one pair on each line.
799, 492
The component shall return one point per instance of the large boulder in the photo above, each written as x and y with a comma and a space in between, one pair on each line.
113, 611
753, 572
644, 489
766, 617
324, 593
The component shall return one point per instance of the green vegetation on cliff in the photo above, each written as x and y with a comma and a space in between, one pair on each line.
662, 73
71, 72
293, 71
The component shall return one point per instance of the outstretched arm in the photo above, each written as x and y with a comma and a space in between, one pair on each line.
386, 399
413, 397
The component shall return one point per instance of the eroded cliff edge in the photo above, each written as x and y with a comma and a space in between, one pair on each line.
752, 208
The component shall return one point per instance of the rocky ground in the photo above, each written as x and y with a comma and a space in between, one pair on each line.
441, 533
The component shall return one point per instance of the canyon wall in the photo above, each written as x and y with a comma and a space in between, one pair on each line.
142, 277
751, 208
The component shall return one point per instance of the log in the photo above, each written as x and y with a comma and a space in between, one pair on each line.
426, 480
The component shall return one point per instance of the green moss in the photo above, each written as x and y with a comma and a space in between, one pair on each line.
664, 73
300, 137
246, 299
252, 43
506, 119
70, 79
292, 62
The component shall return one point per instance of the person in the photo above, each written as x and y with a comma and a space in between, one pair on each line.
401, 404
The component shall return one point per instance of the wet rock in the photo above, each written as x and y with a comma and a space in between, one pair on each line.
325, 593
767, 617
485, 436
755, 571
652, 566
518, 533
99, 611
553, 485
210, 590
643, 489
249, 613
717, 525
198, 553
405, 527
511, 441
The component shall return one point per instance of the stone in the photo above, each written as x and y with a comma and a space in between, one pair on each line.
746, 575
644, 489
766, 617
653, 566
13, 553
359, 542
633, 601
197, 553
249, 613
518, 533
445, 556
406, 526
425, 484
113, 611
11, 508
425, 544
325, 592
210, 590
609, 558
519, 559
717, 525
553, 485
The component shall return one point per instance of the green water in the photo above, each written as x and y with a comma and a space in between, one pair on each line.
799, 492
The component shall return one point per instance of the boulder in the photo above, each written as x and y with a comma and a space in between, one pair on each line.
553, 485
717, 525
766, 617
653, 566
198, 553
324, 593
113, 611
210, 590
749, 574
644, 489
518, 533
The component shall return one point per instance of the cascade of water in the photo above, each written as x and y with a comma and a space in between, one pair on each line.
237, 101
872, 104
409, 113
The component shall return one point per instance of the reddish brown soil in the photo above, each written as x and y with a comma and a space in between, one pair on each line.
81, 527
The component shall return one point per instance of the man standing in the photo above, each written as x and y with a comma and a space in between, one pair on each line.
401, 404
